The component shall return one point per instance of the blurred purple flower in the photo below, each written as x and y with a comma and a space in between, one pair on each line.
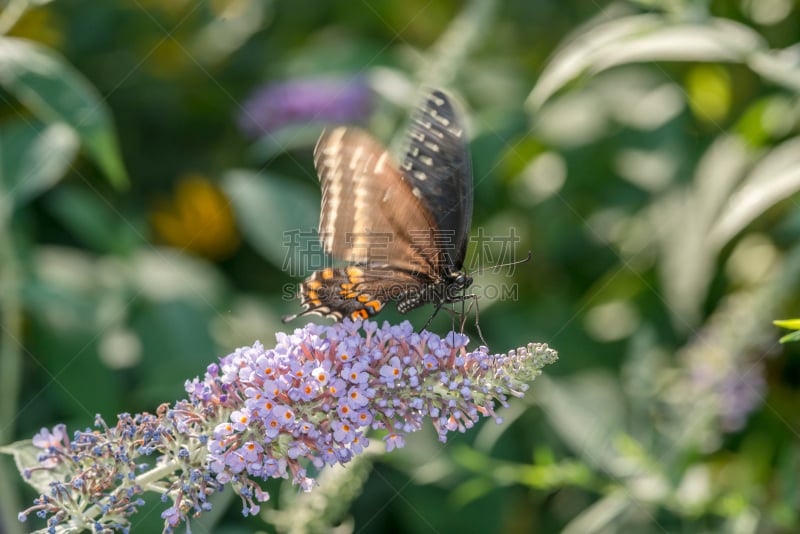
738, 390
326, 100
740, 394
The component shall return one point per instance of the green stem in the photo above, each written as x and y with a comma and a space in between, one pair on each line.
10, 370
450, 51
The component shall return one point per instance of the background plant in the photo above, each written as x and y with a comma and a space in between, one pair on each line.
646, 152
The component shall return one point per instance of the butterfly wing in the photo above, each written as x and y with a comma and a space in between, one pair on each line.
355, 291
370, 215
437, 166
402, 231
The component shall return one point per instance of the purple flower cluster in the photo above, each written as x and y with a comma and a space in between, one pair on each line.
265, 413
93, 482
319, 100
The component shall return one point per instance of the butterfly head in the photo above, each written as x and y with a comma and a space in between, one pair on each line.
456, 282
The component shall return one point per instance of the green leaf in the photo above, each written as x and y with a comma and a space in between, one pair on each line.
572, 408
267, 207
774, 178
95, 220
226, 33
642, 38
794, 324
165, 274
605, 515
33, 157
55, 92
790, 338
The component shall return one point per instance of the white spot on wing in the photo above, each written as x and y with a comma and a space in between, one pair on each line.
333, 142
433, 146
357, 153
331, 200
361, 207
379, 165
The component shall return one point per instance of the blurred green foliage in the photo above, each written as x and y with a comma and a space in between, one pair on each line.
647, 152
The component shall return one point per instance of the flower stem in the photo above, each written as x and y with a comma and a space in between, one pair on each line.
10, 368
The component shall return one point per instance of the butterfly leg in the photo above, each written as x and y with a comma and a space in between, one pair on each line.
465, 313
474, 299
428, 322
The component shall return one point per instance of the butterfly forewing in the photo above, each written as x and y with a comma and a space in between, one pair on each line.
437, 165
369, 214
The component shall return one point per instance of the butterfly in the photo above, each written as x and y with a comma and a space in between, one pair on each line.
401, 229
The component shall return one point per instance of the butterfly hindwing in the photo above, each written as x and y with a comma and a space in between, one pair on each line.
356, 291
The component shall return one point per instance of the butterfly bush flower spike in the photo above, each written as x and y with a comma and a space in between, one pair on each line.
260, 413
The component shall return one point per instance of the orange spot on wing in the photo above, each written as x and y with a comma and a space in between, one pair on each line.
314, 285
355, 275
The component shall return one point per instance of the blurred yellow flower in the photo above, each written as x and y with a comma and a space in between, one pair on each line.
709, 91
198, 219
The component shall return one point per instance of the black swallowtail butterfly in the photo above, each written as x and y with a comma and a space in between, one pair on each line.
403, 230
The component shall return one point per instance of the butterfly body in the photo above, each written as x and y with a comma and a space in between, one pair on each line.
401, 229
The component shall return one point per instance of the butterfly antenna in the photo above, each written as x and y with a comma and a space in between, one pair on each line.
526, 259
